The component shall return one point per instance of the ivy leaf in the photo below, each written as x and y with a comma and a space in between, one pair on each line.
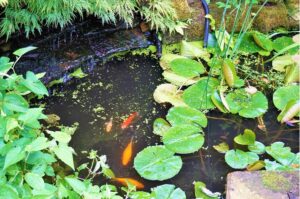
65, 154
77, 185
280, 153
14, 102
160, 126
157, 163
13, 156
187, 67
186, 115
8, 192
35, 181
38, 144
60, 136
34, 84
222, 147
257, 147
248, 138
167, 191
183, 139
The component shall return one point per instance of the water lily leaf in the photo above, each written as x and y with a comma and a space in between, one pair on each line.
179, 80
280, 63
202, 192
247, 138
285, 94
168, 93
183, 139
157, 163
283, 42
252, 157
194, 50
238, 159
263, 41
167, 191
198, 96
275, 166
248, 106
281, 153
258, 165
248, 45
216, 99
166, 59
160, 126
222, 147
186, 115
291, 110
292, 74
187, 67
257, 147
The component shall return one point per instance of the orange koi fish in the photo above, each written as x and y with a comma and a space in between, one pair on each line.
129, 120
108, 125
127, 153
126, 181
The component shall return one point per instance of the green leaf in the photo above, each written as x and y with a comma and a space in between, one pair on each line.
34, 84
77, 185
166, 59
183, 139
222, 147
186, 115
217, 101
248, 106
14, 102
22, 51
38, 144
31, 117
167, 191
275, 166
8, 192
257, 147
13, 156
194, 50
248, 138
34, 180
5, 65
160, 126
285, 94
236, 159
78, 73
258, 165
280, 63
263, 41
202, 192
229, 72
248, 45
283, 42
187, 67
252, 157
198, 96
65, 154
157, 163
179, 80
292, 74
60, 136
291, 110
168, 93
280, 153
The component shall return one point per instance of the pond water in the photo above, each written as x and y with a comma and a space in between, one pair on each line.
119, 87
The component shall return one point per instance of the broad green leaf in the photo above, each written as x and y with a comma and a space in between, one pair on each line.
14, 102
202, 192
257, 147
22, 51
140, 195
168, 93
157, 163
291, 110
263, 41
217, 101
285, 94
160, 126
280, 153
194, 50
283, 42
78, 73
258, 165
5, 65
38, 144
77, 185
198, 96
252, 157
222, 147
107, 172
34, 84
167, 191
60, 136
179, 80
247, 138
280, 63
8, 192
40, 157
166, 59
65, 154
187, 67
183, 139
275, 166
292, 74
248, 45
186, 115
34, 180
247, 105
236, 159
31, 116
13, 156
229, 72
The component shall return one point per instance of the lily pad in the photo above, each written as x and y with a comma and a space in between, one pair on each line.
166, 59
257, 147
187, 67
283, 42
238, 159
167, 191
281, 153
168, 93
160, 126
198, 96
193, 50
292, 74
179, 80
183, 139
222, 147
248, 45
202, 192
263, 41
186, 115
258, 165
157, 163
280, 63
285, 94
291, 110
247, 138
248, 106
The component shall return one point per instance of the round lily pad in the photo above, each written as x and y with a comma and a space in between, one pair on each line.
183, 139
157, 163
238, 159
285, 94
283, 42
263, 41
160, 126
179, 80
247, 105
257, 147
247, 138
187, 67
168, 93
198, 96
167, 191
186, 115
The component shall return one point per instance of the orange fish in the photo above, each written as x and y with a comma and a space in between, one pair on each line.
127, 153
108, 125
129, 120
126, 181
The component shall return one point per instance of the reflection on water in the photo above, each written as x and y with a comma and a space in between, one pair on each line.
118, 88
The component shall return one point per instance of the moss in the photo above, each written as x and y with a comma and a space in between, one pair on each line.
182, 8
275, 181
150, 50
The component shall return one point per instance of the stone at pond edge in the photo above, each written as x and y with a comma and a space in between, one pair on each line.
262, 185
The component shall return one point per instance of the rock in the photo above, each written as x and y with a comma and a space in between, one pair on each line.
262, 185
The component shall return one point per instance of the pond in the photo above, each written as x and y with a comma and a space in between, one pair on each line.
116, 89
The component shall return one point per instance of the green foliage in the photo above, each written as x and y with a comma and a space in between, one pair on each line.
30, 16
160, 126
187, 67
167, 191
202, 192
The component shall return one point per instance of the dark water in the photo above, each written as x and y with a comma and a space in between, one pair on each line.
119, 88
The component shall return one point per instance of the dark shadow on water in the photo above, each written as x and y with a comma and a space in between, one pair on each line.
119, 88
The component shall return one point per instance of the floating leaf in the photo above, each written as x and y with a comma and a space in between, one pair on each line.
186, 115
247, 138
160, 126
167, 191
187, 67
166, 59
157, 163
283, 42
198, 96
179, 80
258, 165
183, 139
229, 72
248, 106
263, 41
285, 94
238, 159
280, 63
217, 101
168, 93
248, 45
292, 74
194, 50
275, 166
222, 147
257, 147
202, 192
280, 153
291, 110
22, 51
